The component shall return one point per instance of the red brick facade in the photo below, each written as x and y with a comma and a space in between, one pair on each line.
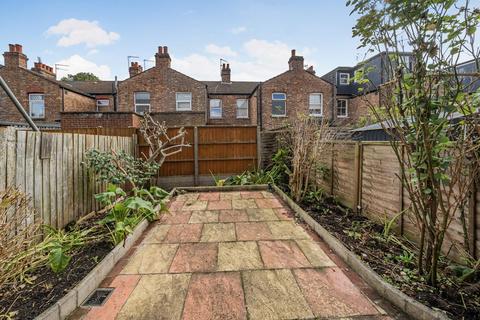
297, 84
357, 108
163, 83
24, 82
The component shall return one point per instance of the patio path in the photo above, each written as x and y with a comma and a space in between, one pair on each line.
233, 255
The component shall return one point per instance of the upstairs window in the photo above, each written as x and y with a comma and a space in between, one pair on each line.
102, 104
242, 108
215, 108
344, 79
315, 104
142, 102
184, 101
342, 108
279, 104
36, 102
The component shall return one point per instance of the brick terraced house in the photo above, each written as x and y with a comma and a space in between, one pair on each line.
43, 97
178, 99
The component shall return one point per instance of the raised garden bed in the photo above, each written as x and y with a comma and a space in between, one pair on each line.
361, 243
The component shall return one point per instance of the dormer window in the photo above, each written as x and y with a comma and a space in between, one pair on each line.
344, 79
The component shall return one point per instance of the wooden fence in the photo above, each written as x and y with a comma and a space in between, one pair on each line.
363, 176
214, 150
48, 167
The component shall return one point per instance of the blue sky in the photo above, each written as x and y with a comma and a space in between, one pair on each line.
254, 36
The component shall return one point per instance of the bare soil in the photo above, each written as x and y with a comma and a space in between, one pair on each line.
391, 260
28, 301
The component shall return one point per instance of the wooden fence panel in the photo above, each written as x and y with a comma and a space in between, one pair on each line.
344, 173
48, 168
476, 219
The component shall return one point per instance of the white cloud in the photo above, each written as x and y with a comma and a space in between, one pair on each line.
76, 64
220, 51
92, 51
238, 30
258, 60
74, 31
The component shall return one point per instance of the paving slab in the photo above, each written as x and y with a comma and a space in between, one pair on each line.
234, 256
184, 233
230, 195
261, 215
209, 196
331, 294
203, 216
157, 297
244, 203
232, 216
195, 205
314, 254
287, 230
151, 258
218, 232
220, 205
282, 254
270, 203
195, 257
215, 296
175, 217
253, 231
157, 234
251, 195
274, 294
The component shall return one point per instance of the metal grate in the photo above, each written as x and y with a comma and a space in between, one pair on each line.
98, 297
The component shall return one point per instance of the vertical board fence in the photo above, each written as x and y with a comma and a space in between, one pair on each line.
214, 151
365, 177
48, 168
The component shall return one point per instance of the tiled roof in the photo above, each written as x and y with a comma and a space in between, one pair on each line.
235, 87
92, 87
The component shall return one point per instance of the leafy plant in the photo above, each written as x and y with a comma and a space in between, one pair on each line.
119, 168
407, 257
58, 244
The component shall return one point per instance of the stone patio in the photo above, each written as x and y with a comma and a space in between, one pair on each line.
232, 255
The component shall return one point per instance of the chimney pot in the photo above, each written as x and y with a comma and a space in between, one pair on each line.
162, 58
293, 52
226, 73
18, 48
160, 49
11, 48
295, 62
165, 50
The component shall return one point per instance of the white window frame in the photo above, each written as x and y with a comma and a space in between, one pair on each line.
346, 108
141, 104
340, 78
248, 113
102, 106
310, 105
30, 105
285, 113
219, 105
177, 101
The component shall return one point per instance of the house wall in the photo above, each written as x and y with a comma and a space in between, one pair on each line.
163, 83
297, 84
73, 101
358, 107
23, 82
229, 111
73, 120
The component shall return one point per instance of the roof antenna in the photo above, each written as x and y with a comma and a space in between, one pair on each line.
145, 63
222, 61
129, 58
58, 66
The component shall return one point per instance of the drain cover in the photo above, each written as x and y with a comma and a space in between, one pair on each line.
98, 297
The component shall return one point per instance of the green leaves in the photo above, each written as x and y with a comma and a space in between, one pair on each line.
58, 260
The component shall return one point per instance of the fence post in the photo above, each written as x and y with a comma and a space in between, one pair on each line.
472, 224
401, 194
259, 148
195, 155
332, 171
358, 180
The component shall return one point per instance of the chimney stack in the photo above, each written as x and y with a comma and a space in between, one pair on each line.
162, 58
295, 62
225, 73
310, 70
135, 69
14, 57
44, 69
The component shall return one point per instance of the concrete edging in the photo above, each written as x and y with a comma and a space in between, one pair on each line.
253, 187
405, 303
76, 296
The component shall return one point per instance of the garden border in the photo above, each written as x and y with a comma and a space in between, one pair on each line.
76, 296
405, 303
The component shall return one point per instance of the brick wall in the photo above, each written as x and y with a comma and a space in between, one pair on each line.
72, 120
77, 102
191, 118
229, 111
298, 85
111, 104
163, 83
358, 108
23, 82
